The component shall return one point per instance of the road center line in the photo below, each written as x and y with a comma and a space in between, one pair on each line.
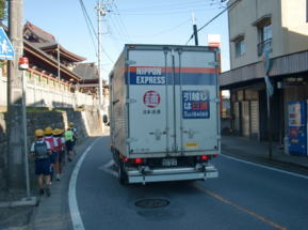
72, 198
240, 208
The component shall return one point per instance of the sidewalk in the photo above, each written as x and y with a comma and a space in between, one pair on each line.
253, 150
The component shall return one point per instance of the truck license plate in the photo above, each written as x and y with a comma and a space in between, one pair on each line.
167, 162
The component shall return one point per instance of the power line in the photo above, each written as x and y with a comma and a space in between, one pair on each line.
91, 29
89, 24
122, 22
170, 12
215, 17
169, 6
117, 25
170, 29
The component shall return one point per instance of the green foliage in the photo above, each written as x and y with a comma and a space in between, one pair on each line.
3, 13
36, 109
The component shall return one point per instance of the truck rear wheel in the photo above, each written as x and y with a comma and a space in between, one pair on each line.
122, 175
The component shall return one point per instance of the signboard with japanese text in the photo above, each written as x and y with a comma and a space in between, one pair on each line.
196, 104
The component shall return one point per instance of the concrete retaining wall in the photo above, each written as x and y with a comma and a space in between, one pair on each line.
3, 150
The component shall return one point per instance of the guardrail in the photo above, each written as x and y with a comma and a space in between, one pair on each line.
46, 91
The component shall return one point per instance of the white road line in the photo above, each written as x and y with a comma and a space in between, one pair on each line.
266, 167
72, 199
106, 168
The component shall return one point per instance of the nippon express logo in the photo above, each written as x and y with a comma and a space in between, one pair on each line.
148, 71
147, 76
151, 99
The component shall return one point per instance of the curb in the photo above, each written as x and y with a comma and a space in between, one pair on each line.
32, 201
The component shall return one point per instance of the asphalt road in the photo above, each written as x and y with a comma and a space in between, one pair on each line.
245, 196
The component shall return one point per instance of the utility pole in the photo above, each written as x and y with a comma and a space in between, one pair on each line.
101, 12
195, 28
15, 172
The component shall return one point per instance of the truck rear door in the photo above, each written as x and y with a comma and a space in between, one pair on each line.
197, 100
172, 100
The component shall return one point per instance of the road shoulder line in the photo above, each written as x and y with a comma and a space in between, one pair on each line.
264, 166
72, 198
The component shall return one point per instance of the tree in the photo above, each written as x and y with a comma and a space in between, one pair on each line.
2, 10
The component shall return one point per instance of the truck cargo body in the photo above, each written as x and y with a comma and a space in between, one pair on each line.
164, 113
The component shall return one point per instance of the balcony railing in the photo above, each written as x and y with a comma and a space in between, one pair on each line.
265, 45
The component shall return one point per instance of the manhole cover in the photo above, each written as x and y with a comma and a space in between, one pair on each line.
152, 203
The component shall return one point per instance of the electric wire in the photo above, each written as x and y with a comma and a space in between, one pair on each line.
122, 22
168, 13
89, 25
92, 29
213, 19
169, 6
117, 25
169, 29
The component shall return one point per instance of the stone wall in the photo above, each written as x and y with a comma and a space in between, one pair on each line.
3, 150
86, 122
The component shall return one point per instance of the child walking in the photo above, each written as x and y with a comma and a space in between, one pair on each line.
40, 150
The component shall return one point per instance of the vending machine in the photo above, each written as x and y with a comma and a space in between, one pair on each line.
297, 127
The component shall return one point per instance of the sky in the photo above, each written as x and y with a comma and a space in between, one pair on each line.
127, 22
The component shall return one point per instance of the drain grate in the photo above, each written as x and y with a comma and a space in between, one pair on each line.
152, 203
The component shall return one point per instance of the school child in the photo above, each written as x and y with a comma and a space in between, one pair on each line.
40, 150
74, 130
69, 142
58, 151
49, 138
64, 154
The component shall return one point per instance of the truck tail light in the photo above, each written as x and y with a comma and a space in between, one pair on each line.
138, 161
124, 159
204, 157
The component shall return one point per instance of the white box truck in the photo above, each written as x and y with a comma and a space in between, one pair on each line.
164, 113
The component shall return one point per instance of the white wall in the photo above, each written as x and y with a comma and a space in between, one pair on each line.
38, 95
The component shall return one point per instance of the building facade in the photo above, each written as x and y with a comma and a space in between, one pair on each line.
266, 36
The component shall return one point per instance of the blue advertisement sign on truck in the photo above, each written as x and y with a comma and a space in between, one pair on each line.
196, 104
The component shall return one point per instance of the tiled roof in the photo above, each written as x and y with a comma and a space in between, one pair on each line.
86, 70
47, 42
40, 33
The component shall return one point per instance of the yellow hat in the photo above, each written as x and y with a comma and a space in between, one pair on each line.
71, 124
56, 132
39, 133
48, 131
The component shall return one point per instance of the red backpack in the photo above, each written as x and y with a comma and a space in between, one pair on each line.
51, 143
59, 148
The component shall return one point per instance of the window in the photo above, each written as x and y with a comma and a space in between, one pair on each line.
266, 32
265, 38
264, 26
240, 48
